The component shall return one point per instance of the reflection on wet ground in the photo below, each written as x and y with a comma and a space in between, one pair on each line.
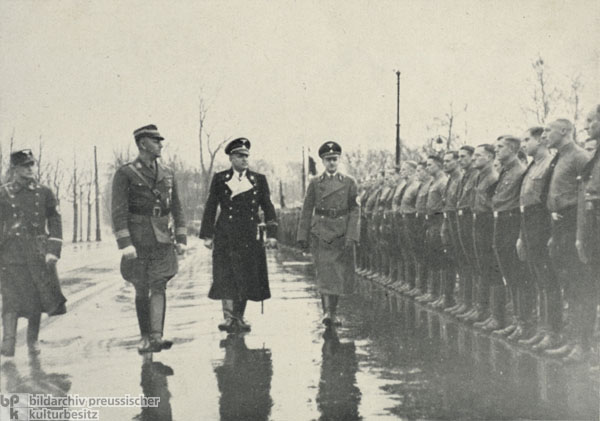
390, 360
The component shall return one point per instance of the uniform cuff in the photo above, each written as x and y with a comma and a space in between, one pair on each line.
181, 239
123, 238
271, 229
54, 246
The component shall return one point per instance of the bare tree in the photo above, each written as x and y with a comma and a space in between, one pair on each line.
575, 99
73, 183
97, 197
206, 165
544, 96
88, 186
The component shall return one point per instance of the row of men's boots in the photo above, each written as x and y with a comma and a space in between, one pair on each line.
9, 334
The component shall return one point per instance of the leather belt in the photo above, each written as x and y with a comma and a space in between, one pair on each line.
533, 208
465, 212
331, 213
155, 211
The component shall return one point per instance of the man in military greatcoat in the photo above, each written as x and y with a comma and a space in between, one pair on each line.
330, 221
30, 245
236, 238
144, 200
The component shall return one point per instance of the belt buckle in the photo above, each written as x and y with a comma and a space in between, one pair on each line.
156, 211
333, 213
522, 209
460, 212
555, 216
426, 217
589, 206
496, 214
445, 215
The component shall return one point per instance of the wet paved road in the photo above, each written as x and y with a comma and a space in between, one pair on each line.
391, 360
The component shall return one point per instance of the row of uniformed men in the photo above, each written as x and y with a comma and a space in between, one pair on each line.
501, 230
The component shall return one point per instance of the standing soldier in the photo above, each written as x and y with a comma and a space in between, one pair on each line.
236, 238
408, 211
30, 245
400, 241
330, 218
569, 163
449, 227
420, 232
144, 196
507, 225
464, 222
531, 245
483, 231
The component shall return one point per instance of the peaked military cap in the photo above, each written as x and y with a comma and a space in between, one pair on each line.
329, 149
147, 131
22, 157
239, 145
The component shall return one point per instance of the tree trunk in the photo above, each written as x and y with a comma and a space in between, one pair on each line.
98, 233
75, 208
81, 214
89, 213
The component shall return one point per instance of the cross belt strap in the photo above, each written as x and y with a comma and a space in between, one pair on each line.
154, 191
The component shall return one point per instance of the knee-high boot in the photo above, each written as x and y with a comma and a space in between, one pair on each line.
9, 334
158, 305
33, 331
239, 307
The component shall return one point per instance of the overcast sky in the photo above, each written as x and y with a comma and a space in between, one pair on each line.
283, 74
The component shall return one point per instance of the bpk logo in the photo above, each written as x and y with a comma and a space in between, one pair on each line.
14, 406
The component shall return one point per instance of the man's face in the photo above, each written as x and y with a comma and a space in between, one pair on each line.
433, 168
553, 134
26, 171
450, 163
464, 159
590, 146
421, 173
592, 125
239, 161
530, 143
407, 171
504, 151
152, 146
331, 163
480, 158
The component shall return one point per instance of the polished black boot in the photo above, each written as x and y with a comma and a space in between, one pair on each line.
33, 331
229, 324
157, 322
142, 310
9, 334
239, 308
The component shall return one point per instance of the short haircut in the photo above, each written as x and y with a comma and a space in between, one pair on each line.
536, 131
453, 153
522, 156
470, 149
565, 123
488, 148
422, 164
514, 142
411, 164
436, 159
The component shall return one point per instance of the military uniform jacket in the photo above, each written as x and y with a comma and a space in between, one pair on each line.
142, 201
239, 259
30, 228
336, 193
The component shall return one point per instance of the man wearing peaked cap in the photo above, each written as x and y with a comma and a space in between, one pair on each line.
236, 236
330, 220
144, 196
30, 245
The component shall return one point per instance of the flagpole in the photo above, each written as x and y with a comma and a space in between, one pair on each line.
398, 144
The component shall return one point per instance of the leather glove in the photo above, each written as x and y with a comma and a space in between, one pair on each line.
208, 243
129, 252
271, 243
50, 258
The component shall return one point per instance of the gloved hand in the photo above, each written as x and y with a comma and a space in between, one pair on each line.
180, 249
50, 258
208, 243
129, 252
271, 243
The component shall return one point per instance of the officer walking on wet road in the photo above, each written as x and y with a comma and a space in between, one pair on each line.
330, 221
236, 236
30, 245
144, 197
